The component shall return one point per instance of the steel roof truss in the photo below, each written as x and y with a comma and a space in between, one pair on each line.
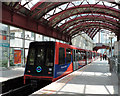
93, 32
90, 31
71, 8
59, 20
73, 30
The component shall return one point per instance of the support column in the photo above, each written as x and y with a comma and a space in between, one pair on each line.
118, 36
111, 47
8, 47
70, 41
23, 48
99, 37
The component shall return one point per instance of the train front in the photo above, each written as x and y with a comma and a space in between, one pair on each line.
40, 61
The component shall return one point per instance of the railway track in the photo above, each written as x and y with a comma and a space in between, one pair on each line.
21, 91
16, 87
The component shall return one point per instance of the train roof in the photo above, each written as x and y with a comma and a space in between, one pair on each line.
72, 46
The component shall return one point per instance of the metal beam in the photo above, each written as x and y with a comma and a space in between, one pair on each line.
84, 28
36, 5
27, 23
89, 18
87, 30
92, 32
92, 24
114, 13
95, 33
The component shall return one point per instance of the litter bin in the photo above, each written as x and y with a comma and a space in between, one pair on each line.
118, 68
108, 60
110, 64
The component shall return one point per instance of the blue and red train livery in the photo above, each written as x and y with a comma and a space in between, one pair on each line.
50, 60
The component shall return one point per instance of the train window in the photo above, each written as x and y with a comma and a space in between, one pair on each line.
31, 56
91, 55
76, 55
49, 57
84, 55
68, 55
79, 55
73, 55
94, 54
88, 54
61, 56
40, 54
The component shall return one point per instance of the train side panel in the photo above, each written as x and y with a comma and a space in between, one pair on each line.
63, 60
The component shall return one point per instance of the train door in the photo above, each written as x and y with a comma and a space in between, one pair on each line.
86, 57
74, 62
76, 59
79, 59
83, 60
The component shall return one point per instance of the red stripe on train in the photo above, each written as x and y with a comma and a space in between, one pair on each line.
40, 77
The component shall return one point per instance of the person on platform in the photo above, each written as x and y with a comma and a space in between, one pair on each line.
100, 57
103, 56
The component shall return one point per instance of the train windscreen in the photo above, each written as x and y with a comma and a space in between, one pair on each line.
41, 54
31, 56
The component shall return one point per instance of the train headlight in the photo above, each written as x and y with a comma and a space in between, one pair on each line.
38, 69
28, 71
49, 72
50, 69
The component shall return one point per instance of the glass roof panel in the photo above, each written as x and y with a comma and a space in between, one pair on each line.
30, 4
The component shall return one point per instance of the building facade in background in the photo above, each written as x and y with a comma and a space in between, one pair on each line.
83, 41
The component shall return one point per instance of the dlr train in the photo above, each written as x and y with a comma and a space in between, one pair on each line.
51, 60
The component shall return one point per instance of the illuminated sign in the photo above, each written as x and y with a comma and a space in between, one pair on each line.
38, 69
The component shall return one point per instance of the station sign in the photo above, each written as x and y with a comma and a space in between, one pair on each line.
4, 45
99, 44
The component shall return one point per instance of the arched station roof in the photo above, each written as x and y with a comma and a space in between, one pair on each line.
72, 18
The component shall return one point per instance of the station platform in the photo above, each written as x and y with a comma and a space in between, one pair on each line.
92, 80
7, 74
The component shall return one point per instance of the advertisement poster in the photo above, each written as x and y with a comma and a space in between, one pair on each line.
17, 56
